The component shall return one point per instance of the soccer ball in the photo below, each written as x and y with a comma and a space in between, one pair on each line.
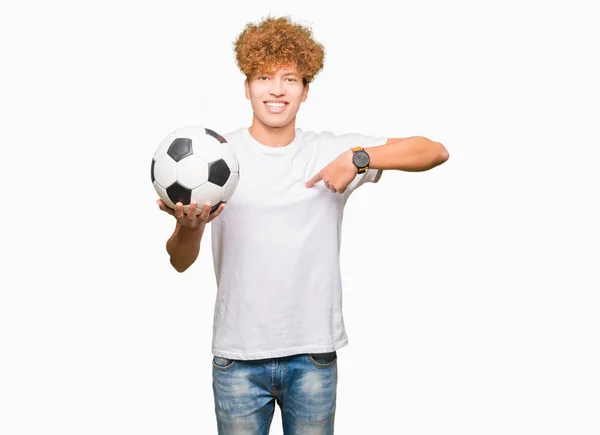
194, 164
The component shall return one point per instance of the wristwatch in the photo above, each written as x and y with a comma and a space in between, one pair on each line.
361, 159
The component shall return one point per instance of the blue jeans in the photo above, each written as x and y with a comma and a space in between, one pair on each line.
304, 387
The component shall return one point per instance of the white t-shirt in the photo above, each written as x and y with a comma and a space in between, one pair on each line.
276, 249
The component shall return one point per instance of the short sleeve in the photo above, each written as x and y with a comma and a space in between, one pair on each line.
337, 144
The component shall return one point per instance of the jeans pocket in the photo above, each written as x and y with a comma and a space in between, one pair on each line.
222, 363
323, 359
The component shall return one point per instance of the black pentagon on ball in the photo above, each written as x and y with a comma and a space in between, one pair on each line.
180, 148
178, 193
215, 135
218, 172
152, 170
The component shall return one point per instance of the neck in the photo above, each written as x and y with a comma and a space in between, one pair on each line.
272, 136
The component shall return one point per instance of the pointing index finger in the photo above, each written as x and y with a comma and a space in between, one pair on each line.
314, 180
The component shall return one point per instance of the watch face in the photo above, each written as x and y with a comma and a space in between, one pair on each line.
361, 159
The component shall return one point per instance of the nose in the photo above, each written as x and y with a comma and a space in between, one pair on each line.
276, 87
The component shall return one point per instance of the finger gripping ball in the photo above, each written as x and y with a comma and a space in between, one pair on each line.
194, 164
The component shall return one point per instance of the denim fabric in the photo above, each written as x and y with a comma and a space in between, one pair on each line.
303, 386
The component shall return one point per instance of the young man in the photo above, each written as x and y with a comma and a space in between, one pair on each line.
278, 314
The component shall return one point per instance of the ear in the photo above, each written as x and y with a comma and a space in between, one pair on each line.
305, 92
247, 88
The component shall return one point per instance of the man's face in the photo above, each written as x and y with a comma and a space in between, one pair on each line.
276, 95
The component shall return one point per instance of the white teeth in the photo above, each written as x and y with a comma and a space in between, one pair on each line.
275, 104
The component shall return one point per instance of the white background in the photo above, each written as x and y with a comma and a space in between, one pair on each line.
470, 291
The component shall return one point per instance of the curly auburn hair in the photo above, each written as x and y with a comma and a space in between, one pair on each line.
278, 42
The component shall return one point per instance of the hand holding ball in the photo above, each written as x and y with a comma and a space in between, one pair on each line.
194, 164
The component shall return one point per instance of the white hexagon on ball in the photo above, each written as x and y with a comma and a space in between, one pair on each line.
192, 171
207, 148
207, 192
165, 170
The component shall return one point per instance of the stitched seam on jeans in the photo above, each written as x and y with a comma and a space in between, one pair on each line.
283, 374
273, 375
223, 368
320, 365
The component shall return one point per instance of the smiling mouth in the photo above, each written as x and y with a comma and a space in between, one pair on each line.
274, 107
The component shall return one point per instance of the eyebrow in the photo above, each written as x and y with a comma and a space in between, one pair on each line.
284, 75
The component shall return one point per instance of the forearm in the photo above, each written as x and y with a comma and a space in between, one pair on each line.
411, 154
184, 246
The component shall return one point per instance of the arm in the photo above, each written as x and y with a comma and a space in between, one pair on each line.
411, 154
184, 246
